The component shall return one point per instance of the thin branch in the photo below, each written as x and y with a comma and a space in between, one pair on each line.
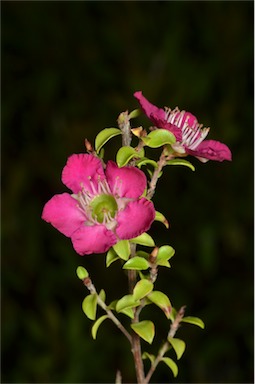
88, 283
173, 328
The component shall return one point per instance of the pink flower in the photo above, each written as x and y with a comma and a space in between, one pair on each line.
188, 132
105, 206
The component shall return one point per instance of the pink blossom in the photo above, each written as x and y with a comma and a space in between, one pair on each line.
105, 206
188, 132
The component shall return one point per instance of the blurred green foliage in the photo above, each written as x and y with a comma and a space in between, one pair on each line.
68, 70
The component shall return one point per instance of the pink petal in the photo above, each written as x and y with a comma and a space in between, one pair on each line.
211, 150
92, 239
80, 170
135, 219
126, 181
61, 211
149, 108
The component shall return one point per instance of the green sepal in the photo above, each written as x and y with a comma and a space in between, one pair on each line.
158, 138
122, 248
105, 135
135, 113
125, 154
194, 320
162, 301
137, 263
142, 289
89, 306
143, 239
160, 217
145, 329
178, 346
165, 252
82, 273
149, 356
171, 364
96, 325
111, 257
126, 301
181, 162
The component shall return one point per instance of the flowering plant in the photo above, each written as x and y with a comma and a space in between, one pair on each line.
111, 209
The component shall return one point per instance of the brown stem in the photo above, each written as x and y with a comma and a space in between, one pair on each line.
154, 179
124, 125
88, 283
173, 328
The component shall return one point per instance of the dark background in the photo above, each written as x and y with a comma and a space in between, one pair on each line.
68, 70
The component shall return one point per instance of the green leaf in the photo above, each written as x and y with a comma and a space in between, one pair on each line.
89, 306
181, 162
142, 288
137, 263
171, 364
102, 295
158, 138
96, 325
144, 161
82, 273
128, 312
164, 263
162, 301
122, 248
126, 301
145, 329
160, 217
105, 135
125, 154
143, 239
111, 257
135, 113
165, 252
147, 355
194, 320
178, 345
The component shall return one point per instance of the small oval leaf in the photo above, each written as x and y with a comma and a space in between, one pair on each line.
126, 301
171, 364
135, 113
162, 301
194, 320
165, 252
144, 161
89, 306
147, 355
145, 329
125, 154
82, 273
96, 325
143, 239
181, 162
178, 346
137, 263
160, 217
142, 288
122, 248
105, 135
158, 138
111, 257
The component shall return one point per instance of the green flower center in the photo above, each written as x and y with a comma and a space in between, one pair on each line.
103, 207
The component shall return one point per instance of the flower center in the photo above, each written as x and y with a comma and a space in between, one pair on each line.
103, 207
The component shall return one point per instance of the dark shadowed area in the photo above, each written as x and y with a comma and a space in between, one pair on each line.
68, 70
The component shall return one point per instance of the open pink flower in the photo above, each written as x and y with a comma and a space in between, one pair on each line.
105, 206
188, 132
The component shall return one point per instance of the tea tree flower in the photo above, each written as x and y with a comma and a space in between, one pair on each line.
106, 205
188, 132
